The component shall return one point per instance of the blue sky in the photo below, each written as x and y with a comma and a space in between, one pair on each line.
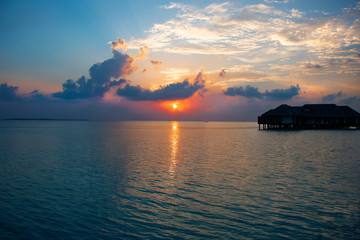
269, 45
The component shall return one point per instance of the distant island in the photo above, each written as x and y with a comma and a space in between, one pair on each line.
310, 116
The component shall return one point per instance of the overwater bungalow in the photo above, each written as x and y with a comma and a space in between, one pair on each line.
310, 116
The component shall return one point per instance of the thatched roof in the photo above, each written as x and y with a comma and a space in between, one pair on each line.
282, 110
312, 110
349, 111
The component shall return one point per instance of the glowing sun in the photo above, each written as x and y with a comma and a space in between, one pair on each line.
175, 106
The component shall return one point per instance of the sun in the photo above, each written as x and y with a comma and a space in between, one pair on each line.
174, 107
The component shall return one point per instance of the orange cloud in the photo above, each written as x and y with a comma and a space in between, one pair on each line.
143, 52
119, 43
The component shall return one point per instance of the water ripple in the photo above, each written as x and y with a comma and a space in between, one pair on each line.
151, 180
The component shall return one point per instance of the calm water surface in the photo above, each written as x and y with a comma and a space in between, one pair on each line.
164, 180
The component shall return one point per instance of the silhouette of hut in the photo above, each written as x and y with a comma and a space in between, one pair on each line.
310, 116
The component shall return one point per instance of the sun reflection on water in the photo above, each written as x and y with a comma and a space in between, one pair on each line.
174, 145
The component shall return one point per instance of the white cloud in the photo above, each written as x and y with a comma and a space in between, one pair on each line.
296, 13
262, 34
217, 8
223, 29
276, 1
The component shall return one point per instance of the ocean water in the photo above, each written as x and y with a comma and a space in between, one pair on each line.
183, 180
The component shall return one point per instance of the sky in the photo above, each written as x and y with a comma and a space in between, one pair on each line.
176, 60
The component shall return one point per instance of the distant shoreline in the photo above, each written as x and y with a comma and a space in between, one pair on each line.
42, 119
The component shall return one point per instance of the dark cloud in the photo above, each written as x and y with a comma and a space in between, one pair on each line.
116, 83
248, 92
253, 92
180, 90
313, 66
222, 73
350, 101
156, 62
37, 96
100, 81
283, 94
7, 92
331, 97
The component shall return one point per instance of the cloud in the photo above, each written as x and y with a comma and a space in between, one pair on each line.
143, 52
156, 62
217, 8
283, 94
296, 13
247, 92
100, 81
323, 36
253, 92
276, 1
7, 92
215, 29
37, 96
181, 6
174, 91
331, 97
350, 100
222, 73
235, 75
173, 74
119, 43
261, 33
313, 66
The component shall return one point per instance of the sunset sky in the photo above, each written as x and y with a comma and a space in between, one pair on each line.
216, 60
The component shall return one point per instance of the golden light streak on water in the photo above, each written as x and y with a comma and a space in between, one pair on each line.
174, 145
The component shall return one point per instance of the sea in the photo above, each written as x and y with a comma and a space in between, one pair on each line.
176, 180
